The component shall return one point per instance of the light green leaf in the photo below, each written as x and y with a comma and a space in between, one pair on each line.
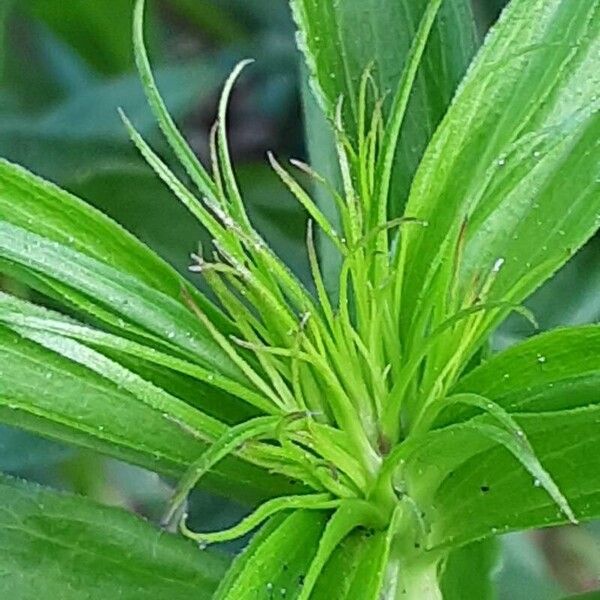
337, 56
139, 307
97, 405
44, 209
554, 371
555, 304
110, 553
550, 386
277, 559
508, 167
355, 570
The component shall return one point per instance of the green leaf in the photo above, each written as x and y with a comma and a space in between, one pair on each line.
337, 56
44, 209
109, 553
468, 571
506, 166
555, 304
5, 8
276, 560
101, 36
138, 306
42, 391
488, 494
133, 196
554, 371
355, 570
550, 386
212, 19
587, 596
29, 319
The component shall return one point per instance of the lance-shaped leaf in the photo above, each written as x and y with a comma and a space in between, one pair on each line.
201, 387
68, 392
340, 40
554, 371
337, 58
555, 304
512, 177
110, 553
488, 494
46, 210
550, 385
356, 569
276, 560
138, 306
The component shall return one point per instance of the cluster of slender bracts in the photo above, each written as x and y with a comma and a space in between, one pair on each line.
345, 395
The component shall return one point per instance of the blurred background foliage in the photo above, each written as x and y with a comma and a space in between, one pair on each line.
65, 67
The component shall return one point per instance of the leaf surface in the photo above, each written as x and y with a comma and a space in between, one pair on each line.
109, 553
549, 384
276, 560
135, 306
521, 175
48, 393
550, 372
356, 568
337, 55
489, 494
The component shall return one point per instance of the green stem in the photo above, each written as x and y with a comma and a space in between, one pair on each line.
412, 572
419, 582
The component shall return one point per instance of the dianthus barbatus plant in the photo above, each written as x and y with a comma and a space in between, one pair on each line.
391, 437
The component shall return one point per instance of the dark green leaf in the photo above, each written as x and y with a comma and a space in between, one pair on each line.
468, 571
92, 113
20, 451
109, 553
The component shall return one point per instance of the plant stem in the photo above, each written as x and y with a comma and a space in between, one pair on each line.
412, 571
419, 582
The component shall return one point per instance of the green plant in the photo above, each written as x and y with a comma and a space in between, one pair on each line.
362, 414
